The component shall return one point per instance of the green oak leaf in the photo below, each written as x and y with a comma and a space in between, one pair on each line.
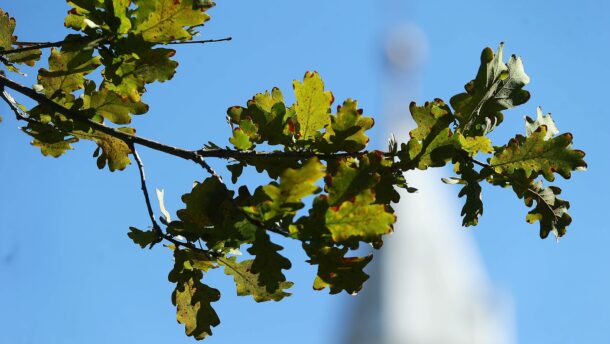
114, 152
111, 105
359, 219
475, 144
312, 105
247, 282
164, 21
497, 86
67, 70
347, 129
50, 140
8, 42
265, 119
112, 16
473, 207
337, 272
276, 201
348, 179
122, 17
143, 238
434, 151
193, 299
429, 118
268, 263
432, 142
211, 215
240, 139
134, 65
550, 211
534, 155
86, 15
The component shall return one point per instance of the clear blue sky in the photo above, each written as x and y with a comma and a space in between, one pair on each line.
70, 275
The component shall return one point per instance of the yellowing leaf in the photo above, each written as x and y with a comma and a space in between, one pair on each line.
193, 299
278, 201
240, 139
432, 142
50, 141
534, 155
265, 119
85, 14
111, 105
8, 41
430, 118
351, 177
312, 105
359, 219
120, 9
115, 152
475, 144
67, 70
247, 282
434, 151
347, 129
135, 65
164, 21
193, 303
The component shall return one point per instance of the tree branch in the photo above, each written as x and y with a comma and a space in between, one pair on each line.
42, 45
31, 46
194, 156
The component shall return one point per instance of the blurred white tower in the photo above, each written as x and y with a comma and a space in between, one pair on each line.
430, 285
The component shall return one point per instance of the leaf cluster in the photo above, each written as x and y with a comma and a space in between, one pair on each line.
324, 189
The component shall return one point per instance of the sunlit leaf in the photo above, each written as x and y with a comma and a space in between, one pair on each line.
164, 21
534, 155
247, 282
497, 86
312, 105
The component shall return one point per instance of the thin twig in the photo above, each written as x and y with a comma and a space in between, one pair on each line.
151, 213
42, 45
155, 224
28, 46
202, 41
